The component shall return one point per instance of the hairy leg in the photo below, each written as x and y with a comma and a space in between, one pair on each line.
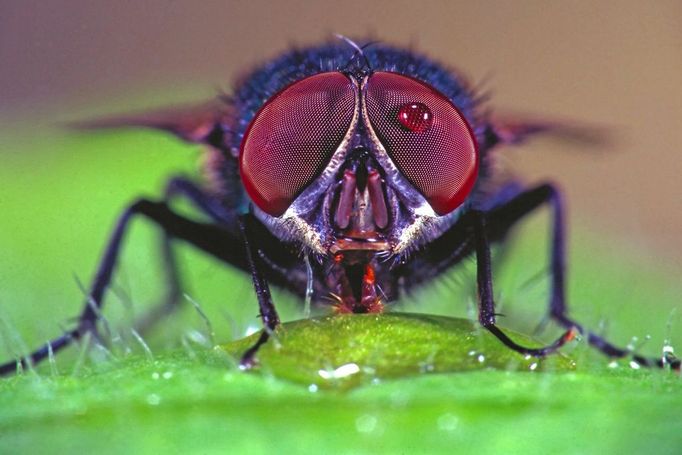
211, 238
207, 204
268, 313
497, 222
496, 217
486, 313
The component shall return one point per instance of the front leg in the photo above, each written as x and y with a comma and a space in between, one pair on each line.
486, 312
212, 239
207, 204
501, 217
496, 217
268, 313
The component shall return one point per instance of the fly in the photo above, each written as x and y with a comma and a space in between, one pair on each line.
346, 174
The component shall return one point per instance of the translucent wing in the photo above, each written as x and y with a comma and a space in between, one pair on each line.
517, 128
206, 123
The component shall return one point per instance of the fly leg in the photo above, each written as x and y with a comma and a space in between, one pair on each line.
208, 205
211, 238
246, 227
268, 313
486, 312
497, 220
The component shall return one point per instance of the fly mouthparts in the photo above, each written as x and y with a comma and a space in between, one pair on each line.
368, 244
361, 203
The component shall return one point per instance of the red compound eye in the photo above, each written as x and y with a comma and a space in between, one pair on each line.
293, 137
415, 117
425, 135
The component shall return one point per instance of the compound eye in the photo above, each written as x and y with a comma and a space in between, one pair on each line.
292, 138
426, 136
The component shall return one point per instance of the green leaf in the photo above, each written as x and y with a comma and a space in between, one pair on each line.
344, 351
60, 196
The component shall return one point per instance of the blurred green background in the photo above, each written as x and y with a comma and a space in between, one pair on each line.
614, 65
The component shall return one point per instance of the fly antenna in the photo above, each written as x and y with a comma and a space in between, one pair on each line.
359, 51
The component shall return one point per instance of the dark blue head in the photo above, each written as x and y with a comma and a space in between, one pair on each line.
343, 147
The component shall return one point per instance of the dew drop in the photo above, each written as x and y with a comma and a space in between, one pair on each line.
153, 399
341, 372
448, 422
369, 370
415, 117
400, 399
365, 423
250, 330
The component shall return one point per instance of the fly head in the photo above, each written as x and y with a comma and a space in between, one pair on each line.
365, 162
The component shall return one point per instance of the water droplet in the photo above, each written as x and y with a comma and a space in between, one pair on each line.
312, 388
369, 370
415, 117
198, 338
634, 365
481, 358
167, 375
533, 366
341, 372
153, 399
400, 399
250, 330
448, 422
366, 423
155, 375
632, 343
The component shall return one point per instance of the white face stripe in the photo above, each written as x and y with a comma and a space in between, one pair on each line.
301, 204
416, 203
291, 225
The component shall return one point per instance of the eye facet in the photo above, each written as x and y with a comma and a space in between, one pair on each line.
425, 135
292, 138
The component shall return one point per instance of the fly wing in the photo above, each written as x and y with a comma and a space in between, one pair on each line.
516, 129
496, 184
206, 123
